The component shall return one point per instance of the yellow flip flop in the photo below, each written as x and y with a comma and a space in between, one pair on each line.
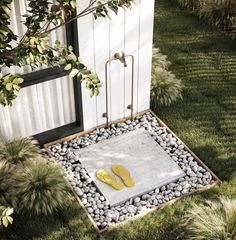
124, 174
106, 177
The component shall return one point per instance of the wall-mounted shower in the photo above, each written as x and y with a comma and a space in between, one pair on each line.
122, 58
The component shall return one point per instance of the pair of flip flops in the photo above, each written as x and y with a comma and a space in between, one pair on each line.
106, 177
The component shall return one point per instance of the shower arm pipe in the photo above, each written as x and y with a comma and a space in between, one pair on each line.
130, 106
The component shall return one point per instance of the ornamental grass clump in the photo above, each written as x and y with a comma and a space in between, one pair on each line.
221, 13
159, 60
6, 173
165, 87
40, 188
215, 220
19, 150
29, 182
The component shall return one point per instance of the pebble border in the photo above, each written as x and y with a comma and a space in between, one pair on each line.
103, 215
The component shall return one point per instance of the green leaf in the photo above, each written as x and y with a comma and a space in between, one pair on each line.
10, 219
86, 72
4, 212
79, 76
93, 75
67, 67
74, 72
96, 81
6, 9
57, 42
72, 57
70, 48
9, 211
92, 92
3, 32
6, 79
28, 60
18, 80
96, 91
16, 88
9, 86
73, 4
4, 221
88, 84
41, 50
31, 56
59, 21
32, 40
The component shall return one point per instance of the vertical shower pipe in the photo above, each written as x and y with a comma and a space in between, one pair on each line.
122, 59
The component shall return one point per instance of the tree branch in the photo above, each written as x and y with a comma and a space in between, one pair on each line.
85, 12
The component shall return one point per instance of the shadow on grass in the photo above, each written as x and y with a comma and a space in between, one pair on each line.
225, 169
68, 220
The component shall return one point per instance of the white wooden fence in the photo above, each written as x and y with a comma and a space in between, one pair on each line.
130, 31
50, 104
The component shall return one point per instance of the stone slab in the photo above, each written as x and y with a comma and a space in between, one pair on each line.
149, 164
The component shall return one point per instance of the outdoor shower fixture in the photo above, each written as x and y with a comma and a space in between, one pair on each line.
122, 58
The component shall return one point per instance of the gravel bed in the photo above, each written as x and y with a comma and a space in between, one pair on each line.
96, 204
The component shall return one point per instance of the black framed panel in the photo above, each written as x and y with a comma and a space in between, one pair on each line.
58, 133
72, 39
42, 76
57, 72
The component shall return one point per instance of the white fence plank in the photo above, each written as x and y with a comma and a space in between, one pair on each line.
37, 109
145, 53
116, 73
101, 55
132, 47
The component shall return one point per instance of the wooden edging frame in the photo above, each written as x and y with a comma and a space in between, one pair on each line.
162, 124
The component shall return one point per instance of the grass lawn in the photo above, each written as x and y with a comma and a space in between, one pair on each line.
205, 59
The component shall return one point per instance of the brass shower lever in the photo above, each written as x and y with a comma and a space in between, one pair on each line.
121, 57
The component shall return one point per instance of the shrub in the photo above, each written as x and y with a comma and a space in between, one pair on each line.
40, 188
19, 150
221, 13
6, 173
35, 187
216, 220
159, 60
165, 88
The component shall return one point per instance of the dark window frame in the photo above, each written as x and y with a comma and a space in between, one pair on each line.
57, 72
